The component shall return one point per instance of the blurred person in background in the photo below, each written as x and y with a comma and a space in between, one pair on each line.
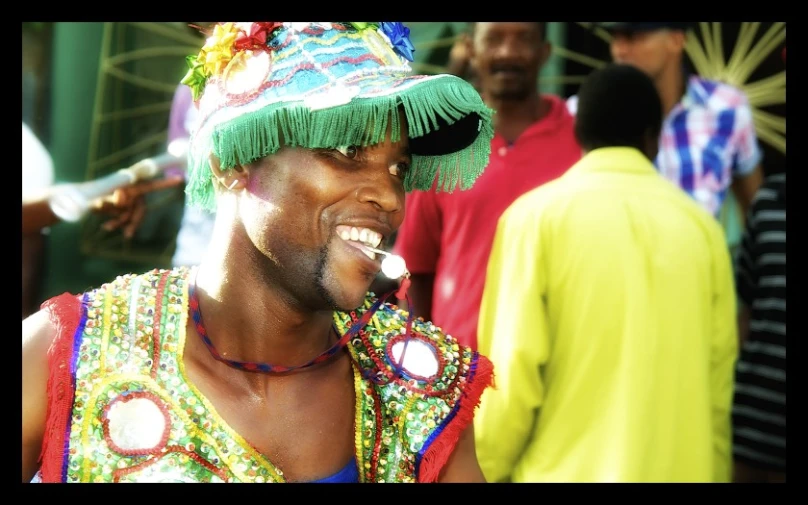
459, 63
446, 237
125, 207
37, 176
759, 408
708, 143
609, 314
196, 226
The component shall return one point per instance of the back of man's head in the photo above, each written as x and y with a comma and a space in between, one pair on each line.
619, 106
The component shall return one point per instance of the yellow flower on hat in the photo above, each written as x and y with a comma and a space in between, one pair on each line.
218, 48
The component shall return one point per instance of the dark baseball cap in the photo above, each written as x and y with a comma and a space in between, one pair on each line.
645, 26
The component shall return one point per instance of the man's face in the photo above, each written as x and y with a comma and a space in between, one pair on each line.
508, 58
651, 51
307, 213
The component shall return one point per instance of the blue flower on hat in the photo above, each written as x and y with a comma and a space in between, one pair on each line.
399, 36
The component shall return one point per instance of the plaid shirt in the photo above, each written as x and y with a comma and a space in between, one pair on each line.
707, 139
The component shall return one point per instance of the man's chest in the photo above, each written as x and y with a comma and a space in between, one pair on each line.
304, 427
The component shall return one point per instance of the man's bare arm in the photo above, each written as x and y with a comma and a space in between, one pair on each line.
37, 335
745, 188
37, 214
462, 465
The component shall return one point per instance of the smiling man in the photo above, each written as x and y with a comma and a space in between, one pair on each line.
310, 134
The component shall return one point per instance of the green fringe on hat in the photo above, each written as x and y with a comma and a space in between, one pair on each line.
363, 121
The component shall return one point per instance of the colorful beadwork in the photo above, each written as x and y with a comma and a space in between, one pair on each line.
128, 366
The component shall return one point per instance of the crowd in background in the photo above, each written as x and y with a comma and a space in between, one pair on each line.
588, 263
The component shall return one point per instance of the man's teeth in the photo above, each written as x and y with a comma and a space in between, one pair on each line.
363, 235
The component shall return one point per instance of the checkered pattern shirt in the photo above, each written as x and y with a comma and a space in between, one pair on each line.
707, 139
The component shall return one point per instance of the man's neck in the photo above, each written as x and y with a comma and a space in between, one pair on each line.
671, 86
514, 116
249, 319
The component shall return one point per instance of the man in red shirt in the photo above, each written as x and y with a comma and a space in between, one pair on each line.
446, 237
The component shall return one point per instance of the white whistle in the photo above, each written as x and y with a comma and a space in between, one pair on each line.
393, 266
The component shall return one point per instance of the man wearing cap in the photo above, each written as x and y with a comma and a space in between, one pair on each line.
270, 361
708, 142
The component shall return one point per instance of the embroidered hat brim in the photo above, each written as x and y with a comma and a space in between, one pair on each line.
326, 85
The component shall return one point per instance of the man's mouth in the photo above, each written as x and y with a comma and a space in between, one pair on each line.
360, 237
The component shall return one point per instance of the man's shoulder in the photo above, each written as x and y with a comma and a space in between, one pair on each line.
717, 95
693, 214
427, 384
390, 344
563, 114
540, 199
162, 280
556, 126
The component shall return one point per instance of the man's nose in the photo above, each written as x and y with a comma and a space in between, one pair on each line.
382, 191
508, 49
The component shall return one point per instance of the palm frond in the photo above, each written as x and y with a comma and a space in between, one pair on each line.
706, 53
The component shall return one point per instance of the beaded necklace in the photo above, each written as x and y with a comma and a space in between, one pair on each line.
267, 368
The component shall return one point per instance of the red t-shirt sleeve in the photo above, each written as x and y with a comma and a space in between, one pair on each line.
419, 237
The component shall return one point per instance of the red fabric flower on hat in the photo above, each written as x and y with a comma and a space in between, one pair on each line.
257, 37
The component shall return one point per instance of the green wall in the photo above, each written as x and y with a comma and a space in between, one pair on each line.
75, 57
557, 36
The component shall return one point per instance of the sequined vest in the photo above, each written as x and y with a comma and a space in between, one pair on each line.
121, 408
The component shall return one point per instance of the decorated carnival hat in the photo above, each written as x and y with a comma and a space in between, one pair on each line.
325, 85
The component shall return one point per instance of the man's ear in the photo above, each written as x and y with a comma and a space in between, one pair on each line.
234, 179
678, 39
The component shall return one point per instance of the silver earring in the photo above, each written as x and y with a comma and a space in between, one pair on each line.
232, 184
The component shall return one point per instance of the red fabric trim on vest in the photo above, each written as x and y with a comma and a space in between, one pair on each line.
65, 313
442, 447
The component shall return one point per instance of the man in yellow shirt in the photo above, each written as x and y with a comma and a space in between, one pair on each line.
609, 314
